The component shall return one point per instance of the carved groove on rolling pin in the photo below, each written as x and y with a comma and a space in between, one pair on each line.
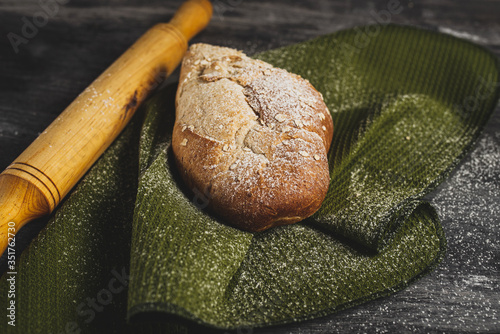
29, 172
170, 28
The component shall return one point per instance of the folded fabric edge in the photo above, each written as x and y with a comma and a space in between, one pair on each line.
384, 235
388, 223
172, 310
389, 291
394, 218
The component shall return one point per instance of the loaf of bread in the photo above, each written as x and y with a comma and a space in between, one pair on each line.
251, 137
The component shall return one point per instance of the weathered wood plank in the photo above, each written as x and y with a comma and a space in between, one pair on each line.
85, 36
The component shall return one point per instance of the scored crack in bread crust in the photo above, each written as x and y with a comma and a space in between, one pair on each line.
251, 137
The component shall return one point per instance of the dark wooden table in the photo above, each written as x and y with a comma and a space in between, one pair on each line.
57, 62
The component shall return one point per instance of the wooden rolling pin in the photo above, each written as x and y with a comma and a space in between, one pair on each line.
36, 182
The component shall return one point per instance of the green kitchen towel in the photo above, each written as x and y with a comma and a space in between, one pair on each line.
132, 243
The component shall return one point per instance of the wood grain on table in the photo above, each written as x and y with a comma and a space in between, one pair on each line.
43, 73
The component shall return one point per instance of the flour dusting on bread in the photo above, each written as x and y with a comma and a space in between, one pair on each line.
253, 136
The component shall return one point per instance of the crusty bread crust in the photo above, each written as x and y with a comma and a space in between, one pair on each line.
251, 137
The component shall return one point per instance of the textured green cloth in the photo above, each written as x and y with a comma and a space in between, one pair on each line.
406, 105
